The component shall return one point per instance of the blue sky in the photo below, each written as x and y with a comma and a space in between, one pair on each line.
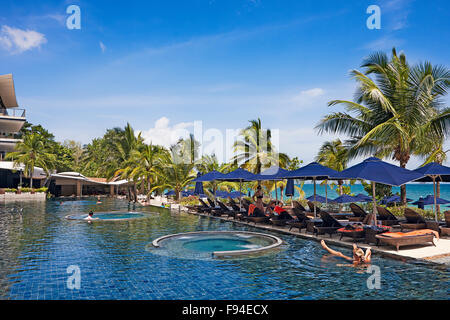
161, 65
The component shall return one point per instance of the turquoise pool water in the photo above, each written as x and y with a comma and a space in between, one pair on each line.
38, 245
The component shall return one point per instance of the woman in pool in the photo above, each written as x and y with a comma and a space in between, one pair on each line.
98, 200
258, 197
359, 257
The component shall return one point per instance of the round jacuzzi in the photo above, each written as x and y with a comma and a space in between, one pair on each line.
108, 216
219, 244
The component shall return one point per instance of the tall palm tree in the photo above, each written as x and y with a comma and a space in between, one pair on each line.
255, 150
32, 152
395, 112
143, 164
174, 175
334, 155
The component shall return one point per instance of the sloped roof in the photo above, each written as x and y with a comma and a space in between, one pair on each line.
7, 91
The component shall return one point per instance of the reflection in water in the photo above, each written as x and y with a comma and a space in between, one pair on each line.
38, 244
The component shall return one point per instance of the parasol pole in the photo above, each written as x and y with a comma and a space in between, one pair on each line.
314, 179
326, 193
435, 200
374, 204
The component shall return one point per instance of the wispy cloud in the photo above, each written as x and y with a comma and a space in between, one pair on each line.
384, 43
102, 46
17, 40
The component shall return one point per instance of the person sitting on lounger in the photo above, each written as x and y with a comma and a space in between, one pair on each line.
277, 211
359, 257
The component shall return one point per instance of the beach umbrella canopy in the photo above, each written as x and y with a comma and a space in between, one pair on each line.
393, 199
198, 186
375, 170
345, 198
273, 173
238, 175
210, 176
312, 171
289, 191
170, 193
318, 199
362, 198
434, 172
430, 200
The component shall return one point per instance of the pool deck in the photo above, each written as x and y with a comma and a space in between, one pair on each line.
439, 254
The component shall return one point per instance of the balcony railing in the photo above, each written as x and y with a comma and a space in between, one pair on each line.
13, 112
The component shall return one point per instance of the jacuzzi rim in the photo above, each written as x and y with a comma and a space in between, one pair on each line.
278, 242
68, 217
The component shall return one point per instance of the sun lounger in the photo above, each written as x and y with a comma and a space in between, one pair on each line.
300, 221
226, 210
445, 229
398, 239
281, 219
358, 213
298, 205
386, 217
354, 231
329, 224
205, 208
311, 206
414, 220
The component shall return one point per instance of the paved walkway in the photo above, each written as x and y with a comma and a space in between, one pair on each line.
427, 253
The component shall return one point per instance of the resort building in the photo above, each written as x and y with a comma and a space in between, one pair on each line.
76, 184
12, 118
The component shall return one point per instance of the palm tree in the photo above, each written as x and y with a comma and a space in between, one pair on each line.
32, 152
143, 163
394, 113
255, 151
334, 155
173, 174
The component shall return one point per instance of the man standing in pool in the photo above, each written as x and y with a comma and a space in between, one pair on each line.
90, 216
359, 257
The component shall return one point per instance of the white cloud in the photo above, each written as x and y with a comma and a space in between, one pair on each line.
165, 135
308, 97
17, 40
102, 46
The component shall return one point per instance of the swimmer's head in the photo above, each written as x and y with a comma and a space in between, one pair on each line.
91, 213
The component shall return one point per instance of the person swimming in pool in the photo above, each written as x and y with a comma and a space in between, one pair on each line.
98, 200
359, 257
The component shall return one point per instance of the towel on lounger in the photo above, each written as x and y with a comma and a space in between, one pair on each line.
420, 232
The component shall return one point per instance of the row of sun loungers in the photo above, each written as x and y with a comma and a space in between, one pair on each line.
355, 226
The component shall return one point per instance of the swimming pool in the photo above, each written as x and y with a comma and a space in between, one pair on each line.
39, 245
107, 216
